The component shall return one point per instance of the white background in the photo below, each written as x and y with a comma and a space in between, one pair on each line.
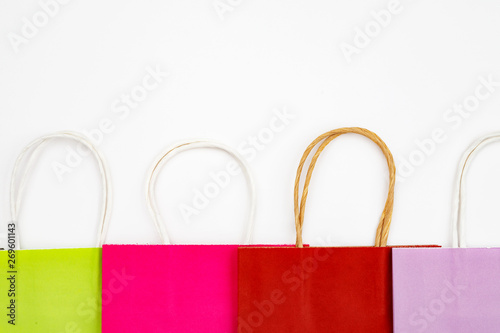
228, 73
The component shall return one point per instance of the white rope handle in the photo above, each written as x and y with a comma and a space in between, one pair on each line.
458, 220
169, 154
35, 147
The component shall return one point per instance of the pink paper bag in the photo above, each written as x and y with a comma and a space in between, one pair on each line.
455, 290
172, 288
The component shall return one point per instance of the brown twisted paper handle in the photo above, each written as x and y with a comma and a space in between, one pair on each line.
385, 219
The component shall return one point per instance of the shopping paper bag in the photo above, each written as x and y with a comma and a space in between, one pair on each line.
449, 290
169, 288
319, 289
173, 288
53, 290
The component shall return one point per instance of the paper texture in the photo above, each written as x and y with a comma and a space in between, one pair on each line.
447, 290
56, 291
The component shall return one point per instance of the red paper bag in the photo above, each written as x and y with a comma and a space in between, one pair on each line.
317, 290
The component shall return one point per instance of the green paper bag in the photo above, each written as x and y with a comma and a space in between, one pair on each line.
53, 290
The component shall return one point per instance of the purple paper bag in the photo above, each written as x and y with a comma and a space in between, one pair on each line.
446, 290
454, 290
